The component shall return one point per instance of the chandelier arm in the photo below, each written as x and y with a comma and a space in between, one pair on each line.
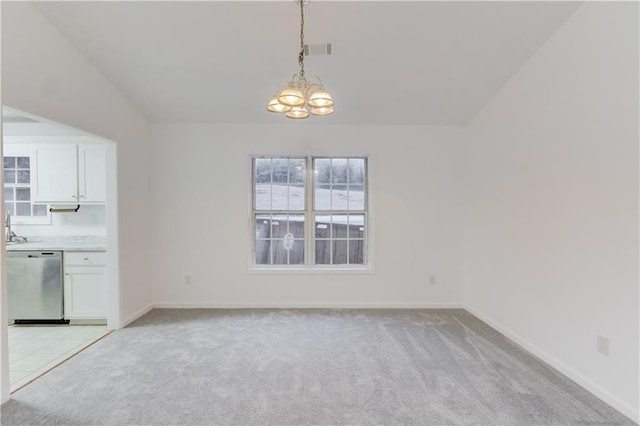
283, 85
317, 81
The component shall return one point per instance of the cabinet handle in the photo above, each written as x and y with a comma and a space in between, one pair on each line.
74, 196
86, 258
82, 196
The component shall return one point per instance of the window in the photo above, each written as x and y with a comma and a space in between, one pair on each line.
326, 228
17, 192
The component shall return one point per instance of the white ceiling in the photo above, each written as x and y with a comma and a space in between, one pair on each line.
393, 63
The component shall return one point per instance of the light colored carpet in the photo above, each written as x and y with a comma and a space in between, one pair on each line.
254, 367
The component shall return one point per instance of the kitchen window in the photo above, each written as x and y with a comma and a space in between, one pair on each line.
17, 192
310, 212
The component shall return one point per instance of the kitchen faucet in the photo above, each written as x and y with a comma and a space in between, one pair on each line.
9, 234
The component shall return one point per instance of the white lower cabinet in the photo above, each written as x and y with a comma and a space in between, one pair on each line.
85, 286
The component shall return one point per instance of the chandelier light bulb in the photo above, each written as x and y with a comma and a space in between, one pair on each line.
275, 106
298, 112
320, 98
291, 96
322, 110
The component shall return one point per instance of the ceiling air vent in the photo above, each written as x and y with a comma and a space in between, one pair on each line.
321, 49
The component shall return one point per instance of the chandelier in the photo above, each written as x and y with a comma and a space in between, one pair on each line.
301, 96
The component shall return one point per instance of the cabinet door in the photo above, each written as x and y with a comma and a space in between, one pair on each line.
85, 293
92, 173
55, 174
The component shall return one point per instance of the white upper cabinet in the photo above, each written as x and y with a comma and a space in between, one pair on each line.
55, 175
92, 173
69, 173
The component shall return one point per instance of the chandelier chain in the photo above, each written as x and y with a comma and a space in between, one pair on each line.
301, 54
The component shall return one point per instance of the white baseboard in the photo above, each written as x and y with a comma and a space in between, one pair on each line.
586, 383
135, 316
276, 305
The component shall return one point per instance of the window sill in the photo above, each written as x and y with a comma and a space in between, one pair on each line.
311, 271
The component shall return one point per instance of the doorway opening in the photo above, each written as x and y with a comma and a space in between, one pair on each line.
60, 249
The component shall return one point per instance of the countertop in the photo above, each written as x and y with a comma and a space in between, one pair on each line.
71, 243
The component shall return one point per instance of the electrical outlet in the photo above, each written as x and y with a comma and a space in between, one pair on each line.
187, 280
603, 345
432, 280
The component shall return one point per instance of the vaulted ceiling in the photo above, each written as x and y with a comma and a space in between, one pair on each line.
393, 62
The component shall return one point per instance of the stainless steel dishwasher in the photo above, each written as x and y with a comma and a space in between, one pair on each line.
34, 286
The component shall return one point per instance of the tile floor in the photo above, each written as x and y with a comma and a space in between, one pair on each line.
34, 350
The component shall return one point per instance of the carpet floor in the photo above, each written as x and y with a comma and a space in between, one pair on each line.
298, 367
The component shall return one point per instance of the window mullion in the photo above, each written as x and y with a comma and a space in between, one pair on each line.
310, 219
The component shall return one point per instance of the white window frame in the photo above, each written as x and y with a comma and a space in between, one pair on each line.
20, 150
309, 265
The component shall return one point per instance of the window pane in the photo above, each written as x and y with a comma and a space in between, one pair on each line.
24, 176
263, 170
279, 239
339, 252
263, 252
288, 251
339, 199
8, 194
263, 226
9, 176
279, 252
279, 197
10, 207
23, 209
323, 252
280, 183
278, 227
9, 162
296, 254
339, 170
23, 162
297, 170
356, 197
356, 252
322, 170
280, 170
339, 225
296, 197
356, 170
23, 194
322, 198
356, 226
39, 209
296, 225
263, 196
323, 226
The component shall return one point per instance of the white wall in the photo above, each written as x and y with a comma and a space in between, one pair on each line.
200, 199
44, 75
552, 224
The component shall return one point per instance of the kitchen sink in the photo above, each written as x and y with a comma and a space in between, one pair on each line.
11, 243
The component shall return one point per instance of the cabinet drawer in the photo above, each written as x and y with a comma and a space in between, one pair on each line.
82, 258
